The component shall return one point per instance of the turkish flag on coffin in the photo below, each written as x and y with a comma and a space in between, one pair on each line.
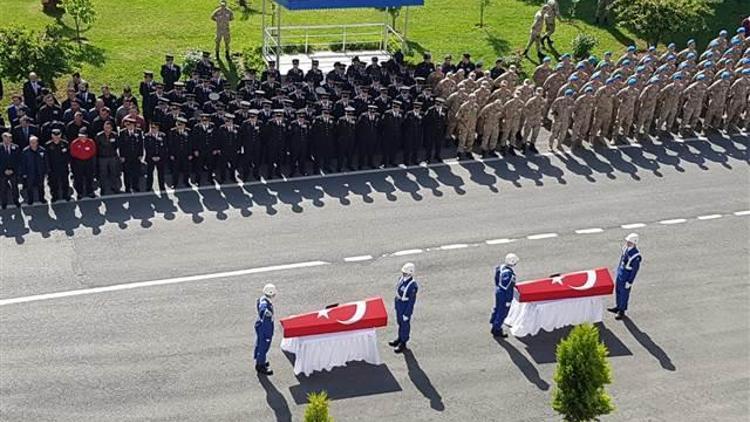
369, 313
580, 284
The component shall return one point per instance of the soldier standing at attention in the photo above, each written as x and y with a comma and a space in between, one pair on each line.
222, 16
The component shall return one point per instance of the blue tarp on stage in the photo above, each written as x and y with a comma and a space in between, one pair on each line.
345, 4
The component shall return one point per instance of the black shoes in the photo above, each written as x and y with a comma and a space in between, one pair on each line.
263, 369
400, 348
613, 310
620, 315
394, 343
498, 333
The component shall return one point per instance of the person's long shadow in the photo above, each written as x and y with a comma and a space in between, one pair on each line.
420, 380
648, 344
275, 400
527, 368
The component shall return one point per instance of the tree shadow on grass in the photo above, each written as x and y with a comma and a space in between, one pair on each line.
500, 46
248, 12
586, 12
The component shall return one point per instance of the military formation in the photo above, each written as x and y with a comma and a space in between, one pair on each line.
202, 129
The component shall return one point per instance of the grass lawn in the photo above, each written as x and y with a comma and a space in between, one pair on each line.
130, 36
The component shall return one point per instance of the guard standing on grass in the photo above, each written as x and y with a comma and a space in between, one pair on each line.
505, 282
406, 297
222, 16
264, 329
630, 262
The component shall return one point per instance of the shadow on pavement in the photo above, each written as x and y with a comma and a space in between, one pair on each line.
542, 346
356, 379
275, 400
648, 344
527, 368
420, 380
393, 184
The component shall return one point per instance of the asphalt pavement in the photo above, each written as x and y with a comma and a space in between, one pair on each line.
125, 309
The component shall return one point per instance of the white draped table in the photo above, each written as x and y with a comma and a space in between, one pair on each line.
526, 318
326, 351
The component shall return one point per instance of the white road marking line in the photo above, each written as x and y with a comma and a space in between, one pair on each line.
740, 213
407, 252
162, 282
499, 241
673, 221
709, 217
358, 258
633, 226
454, 246
541, 236
590, 231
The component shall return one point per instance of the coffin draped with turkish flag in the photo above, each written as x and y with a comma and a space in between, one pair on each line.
368, 313
595, 282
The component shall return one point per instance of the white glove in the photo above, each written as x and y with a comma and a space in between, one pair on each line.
406, 318
507, 305
628, 285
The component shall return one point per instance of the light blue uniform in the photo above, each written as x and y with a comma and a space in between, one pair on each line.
630, 262
406, 297
263, 329
505, 282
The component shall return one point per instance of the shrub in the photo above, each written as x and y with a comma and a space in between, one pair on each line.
582, 45
190, 61
581, 374
23, 51
317, 408
652, 20
252, 58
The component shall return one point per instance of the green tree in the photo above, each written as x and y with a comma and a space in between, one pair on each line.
317, 408
581, 374
652, 20
82, 12
482, 7
23, 51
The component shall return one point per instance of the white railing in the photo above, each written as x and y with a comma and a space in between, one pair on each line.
311, 39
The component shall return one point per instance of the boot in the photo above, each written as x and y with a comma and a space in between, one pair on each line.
400, 348
620, 315
614, 310
499, 333
394, 343
263, 369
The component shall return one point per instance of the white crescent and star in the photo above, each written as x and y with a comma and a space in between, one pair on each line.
359, 313
590, 281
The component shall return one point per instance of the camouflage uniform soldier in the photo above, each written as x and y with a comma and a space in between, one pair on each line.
453, 103
535, 34
532, 112
669, 103
222, 16
542, 72
526, 90
717, 99
467, 122
582, 112
694, 95
647, 106
738, 94
553, 84
446, 86
627, 98
511, 76
501, 93
550, 18
489, 119
483, 94
561, 110
511, 124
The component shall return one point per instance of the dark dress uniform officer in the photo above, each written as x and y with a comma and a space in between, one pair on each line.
413, 134
264, 329
274, 140
250, 145
323, 138
228, 138
58, 163
157, 154
10, 165
346, 140
295, 74
34, 170
130, 149
406, 297
205, 146
435, 124
391, 127
170, 72
314, 75
180, 152
368, 135
298, 144
505, 282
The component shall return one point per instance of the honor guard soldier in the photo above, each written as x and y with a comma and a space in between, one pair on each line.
264, 329
228, 139
204, 146
58, 158
413, 134
155, 144
346, 139
130, 149
391, 128
406, 297
298, 144
250, 145
505, 282
323, 132
630, 262
368, 135
180, 152
274, 140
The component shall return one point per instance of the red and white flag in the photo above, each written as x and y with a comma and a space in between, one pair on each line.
595, 282
368, 313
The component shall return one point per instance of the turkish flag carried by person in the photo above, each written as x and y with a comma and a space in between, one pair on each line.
596, 282
368, 313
